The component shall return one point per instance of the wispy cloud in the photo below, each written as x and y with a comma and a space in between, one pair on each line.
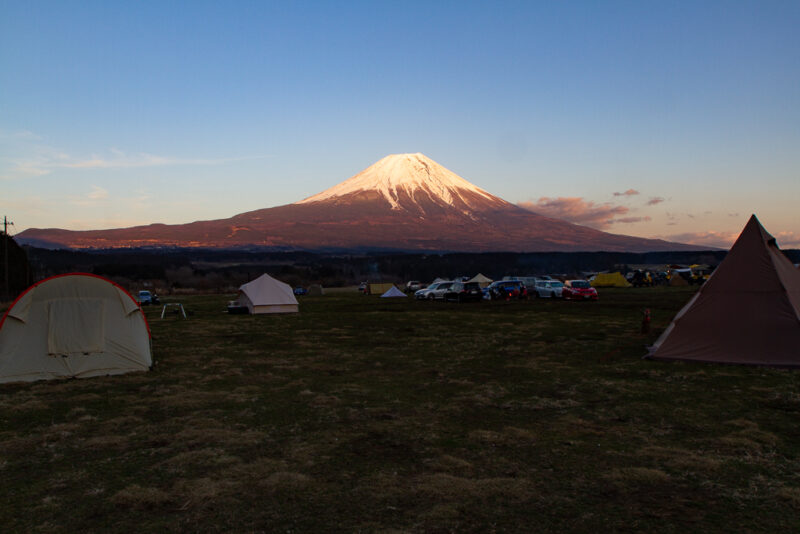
628, 193
709, 238
19, 135
97, 193
120, 160
788, 239
785, 239
655, 200
631, 220
96, 196
33, 158
580, 211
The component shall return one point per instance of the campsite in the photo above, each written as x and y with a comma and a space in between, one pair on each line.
367, 414
370, 267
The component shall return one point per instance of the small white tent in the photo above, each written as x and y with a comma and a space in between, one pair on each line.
74, 325
392, 293
267, 295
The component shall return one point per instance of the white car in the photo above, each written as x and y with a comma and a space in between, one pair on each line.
434, 291
413, 286
548, 289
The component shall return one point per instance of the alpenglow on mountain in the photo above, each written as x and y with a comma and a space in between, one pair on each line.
409, 182
404, 202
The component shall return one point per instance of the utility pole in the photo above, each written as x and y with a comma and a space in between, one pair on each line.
6, 224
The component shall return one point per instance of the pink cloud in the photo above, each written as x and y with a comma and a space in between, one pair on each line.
629, 220
710, 238
788, 239
655, 200
627, 193
576, 210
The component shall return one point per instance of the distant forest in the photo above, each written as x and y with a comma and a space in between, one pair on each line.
224, 270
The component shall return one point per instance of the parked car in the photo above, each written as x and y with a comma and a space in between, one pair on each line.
507, 290
529, 281
548, 289
435, 291
413, 286
300, 290
578, 290
145, 298
464, 292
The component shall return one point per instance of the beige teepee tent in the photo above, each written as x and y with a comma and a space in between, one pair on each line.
747, 312
482, 280
267, 295
73, 325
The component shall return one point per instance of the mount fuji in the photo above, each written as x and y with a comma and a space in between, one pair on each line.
404, 202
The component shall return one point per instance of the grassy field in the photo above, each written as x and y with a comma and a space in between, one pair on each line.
362, 415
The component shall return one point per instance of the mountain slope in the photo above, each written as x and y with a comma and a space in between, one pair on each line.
402, 202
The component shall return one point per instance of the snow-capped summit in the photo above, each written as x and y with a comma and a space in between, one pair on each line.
410, 182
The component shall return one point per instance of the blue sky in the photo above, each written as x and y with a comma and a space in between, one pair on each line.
122, 113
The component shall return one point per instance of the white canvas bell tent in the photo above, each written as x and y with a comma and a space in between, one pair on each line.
267, 295
393, 293
73, 325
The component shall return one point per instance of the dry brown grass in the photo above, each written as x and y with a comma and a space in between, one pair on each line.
258, 469
200, 492
200, 459
142, 498
284, 481
445, 487
636, 477
238, 428
506, 436
26, 406
790, 494
106, 443
451, 464
201, 432
682, 459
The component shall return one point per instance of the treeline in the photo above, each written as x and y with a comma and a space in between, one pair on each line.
20, 274
224, 270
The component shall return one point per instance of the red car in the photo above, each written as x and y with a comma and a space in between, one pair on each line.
579, 290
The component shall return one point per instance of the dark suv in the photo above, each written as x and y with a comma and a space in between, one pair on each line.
507, 290
464, 292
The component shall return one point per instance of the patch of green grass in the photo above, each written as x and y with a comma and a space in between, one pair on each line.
359, 414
